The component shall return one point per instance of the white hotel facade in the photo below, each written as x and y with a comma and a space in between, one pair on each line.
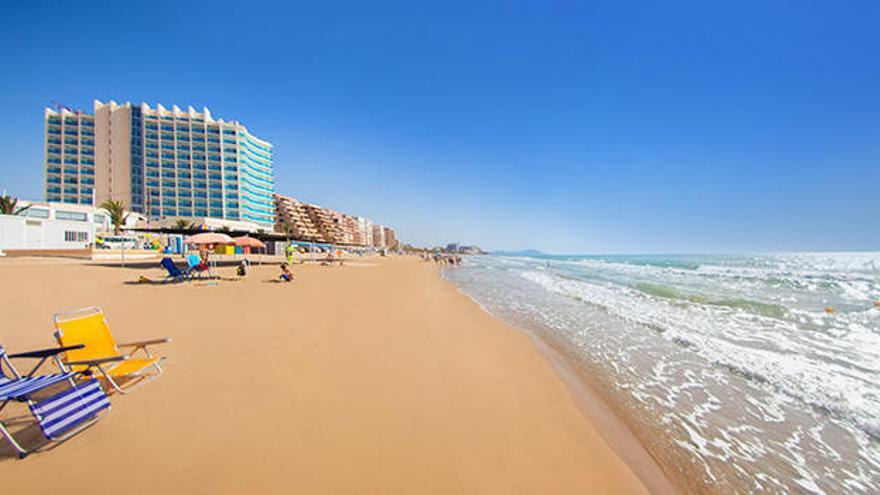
163, 163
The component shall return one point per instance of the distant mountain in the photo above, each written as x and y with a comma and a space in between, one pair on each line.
524, 252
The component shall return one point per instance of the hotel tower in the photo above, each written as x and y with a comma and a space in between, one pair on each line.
159, 162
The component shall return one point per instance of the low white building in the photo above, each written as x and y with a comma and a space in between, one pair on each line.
49, 226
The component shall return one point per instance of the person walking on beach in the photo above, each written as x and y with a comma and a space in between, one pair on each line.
290, 250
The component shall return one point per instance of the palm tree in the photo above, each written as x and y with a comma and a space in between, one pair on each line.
288, 230
8, 206
116, 210
182, 224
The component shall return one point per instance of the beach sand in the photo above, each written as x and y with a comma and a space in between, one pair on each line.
375, 377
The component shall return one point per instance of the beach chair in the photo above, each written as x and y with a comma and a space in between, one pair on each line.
121, 371
197, 266
59, 415
174, 273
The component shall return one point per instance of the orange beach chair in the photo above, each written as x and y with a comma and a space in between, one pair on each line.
121, 371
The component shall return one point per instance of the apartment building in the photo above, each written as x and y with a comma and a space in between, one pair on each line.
291, 216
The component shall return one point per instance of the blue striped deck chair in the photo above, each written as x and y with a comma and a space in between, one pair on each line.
174, 273
60, 415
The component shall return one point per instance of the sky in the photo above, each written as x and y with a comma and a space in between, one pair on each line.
570, 127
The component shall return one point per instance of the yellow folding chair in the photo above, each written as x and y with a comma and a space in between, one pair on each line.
122, 371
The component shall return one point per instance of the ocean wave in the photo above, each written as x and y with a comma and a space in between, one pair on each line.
761, 347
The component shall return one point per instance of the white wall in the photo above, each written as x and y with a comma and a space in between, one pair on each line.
19, 232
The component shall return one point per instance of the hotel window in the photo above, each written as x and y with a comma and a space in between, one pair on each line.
73, 236
36, 212
76, 216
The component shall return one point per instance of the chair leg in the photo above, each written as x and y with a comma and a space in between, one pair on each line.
22, 453
111, 381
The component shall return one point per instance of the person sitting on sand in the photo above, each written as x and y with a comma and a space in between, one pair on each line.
242, 268
285, 276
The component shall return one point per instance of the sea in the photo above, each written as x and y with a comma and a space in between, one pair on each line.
739, 374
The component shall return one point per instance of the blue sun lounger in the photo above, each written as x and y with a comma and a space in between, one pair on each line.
173, 272
59, 415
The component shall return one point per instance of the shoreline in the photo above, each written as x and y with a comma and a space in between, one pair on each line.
596, 407
377, 377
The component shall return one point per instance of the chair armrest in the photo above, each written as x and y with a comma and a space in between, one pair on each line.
143, 343
96, 362
44, 353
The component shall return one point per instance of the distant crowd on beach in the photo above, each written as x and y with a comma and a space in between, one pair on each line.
443, 259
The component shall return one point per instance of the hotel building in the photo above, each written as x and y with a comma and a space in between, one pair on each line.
160, 162
70, 158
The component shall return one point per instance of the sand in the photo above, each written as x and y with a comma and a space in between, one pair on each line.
376, 377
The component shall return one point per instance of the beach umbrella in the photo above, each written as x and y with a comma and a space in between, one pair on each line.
209, 238
247, 241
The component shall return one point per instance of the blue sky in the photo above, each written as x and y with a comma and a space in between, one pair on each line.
613, 127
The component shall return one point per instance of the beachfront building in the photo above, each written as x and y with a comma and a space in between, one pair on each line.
309, 222
365, 225
291, 217
55, 226
390, 238
323, 219
348, 226
378, 236
165, 163
70, 157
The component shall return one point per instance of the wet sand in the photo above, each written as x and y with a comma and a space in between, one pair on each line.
375, 377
